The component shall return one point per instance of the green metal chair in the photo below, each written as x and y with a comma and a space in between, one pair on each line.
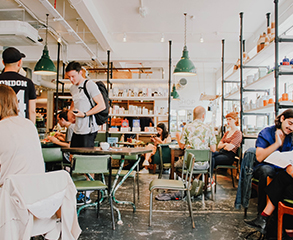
179, 185
162, 157
202, 156
235, 166
53, 155
88, 164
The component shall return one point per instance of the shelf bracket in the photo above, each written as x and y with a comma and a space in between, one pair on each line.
255, 90
285, 73
228, 99
231, 81
285, 39
267, 67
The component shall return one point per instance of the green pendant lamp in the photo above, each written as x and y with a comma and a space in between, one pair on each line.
45, 66
174, 93
185, 66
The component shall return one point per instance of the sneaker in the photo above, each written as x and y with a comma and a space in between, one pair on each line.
81, 201
210, 185
144, 170
145, 163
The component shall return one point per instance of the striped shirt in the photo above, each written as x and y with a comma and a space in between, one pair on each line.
235, 139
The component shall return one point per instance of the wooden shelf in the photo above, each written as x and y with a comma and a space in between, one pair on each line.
138, 115
139, 98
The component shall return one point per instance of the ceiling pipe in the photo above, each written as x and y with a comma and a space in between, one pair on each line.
59, 18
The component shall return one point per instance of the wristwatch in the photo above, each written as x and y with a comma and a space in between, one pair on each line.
84, 114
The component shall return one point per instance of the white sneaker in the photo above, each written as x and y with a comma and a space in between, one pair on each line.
144, 170
145, 163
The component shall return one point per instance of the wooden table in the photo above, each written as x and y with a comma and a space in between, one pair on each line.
176, 151
123, 151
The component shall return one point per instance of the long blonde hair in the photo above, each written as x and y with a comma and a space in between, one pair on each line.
8, 102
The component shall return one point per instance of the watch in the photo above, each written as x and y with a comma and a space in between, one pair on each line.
84, 114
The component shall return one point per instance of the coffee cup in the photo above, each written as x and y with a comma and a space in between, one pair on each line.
104, 145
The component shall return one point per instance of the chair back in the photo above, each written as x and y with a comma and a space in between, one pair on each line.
163, 154
188, 170
53, 154
200, 155
90, 164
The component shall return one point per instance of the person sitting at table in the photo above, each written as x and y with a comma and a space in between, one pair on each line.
162, 137
229, 143
20, 147
65, 119
279, 189
196, 135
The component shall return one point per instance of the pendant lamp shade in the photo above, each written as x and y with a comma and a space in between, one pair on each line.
185, 66
174, 93
45, 65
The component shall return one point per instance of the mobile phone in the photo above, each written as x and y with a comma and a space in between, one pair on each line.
75, 111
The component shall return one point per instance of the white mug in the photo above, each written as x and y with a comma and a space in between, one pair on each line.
104, 145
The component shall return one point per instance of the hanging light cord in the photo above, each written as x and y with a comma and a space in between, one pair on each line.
185, 30
47, 27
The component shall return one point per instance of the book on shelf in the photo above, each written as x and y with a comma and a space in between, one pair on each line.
280, 159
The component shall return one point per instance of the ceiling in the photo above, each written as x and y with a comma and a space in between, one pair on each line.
101, 25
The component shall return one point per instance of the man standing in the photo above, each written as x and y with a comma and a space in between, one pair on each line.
22, 86
86, 128
274, 138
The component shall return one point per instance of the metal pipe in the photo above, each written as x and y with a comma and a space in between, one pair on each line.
108, 76
169, 87
57, 81
276, 58
223, 84
241, 71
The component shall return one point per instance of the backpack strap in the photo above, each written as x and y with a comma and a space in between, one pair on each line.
87, 93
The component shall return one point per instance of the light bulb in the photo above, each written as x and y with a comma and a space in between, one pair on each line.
124, 37
162, 38
201, 39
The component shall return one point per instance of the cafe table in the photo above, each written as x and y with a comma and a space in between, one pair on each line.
176, 151
122, 151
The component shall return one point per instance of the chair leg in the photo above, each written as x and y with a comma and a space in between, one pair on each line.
112, 212
216, 180
205, 182
190, 208
137, 182
151, 208
280, 220
232, 178
98, 205
134, 179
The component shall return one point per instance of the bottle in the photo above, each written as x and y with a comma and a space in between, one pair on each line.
262, 41
258, 44
272, 32
245, 56
268, 27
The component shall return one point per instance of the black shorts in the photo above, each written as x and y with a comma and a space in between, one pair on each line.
83, 140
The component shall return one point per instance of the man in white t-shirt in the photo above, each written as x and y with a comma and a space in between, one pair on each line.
86, 128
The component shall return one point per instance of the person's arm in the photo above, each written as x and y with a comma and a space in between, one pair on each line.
289, 170
181, 145
263, 153
56, 141
99, 100
60, 136
32, 110
235, 141
213, 147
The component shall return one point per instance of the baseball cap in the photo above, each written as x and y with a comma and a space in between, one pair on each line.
11, 55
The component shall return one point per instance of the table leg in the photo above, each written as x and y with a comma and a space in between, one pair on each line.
121, 182
172, 164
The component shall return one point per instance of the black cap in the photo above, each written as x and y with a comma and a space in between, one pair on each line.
12, 55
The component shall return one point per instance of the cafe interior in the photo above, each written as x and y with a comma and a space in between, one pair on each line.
158, 60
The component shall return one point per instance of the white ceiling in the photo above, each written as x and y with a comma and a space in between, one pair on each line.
102, 24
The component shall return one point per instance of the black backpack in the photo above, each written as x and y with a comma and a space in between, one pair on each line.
101, 117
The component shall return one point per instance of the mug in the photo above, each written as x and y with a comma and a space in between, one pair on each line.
104, 145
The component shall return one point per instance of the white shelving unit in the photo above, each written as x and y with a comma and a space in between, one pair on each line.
138, 115
139, 98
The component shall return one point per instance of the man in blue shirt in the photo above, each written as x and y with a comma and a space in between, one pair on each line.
270, 139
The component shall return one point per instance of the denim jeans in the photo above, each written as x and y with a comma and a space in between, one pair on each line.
245, 177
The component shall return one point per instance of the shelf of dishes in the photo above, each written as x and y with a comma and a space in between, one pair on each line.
259, 81
134, 110
138, 115
264, 58
128, 132
140, 98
